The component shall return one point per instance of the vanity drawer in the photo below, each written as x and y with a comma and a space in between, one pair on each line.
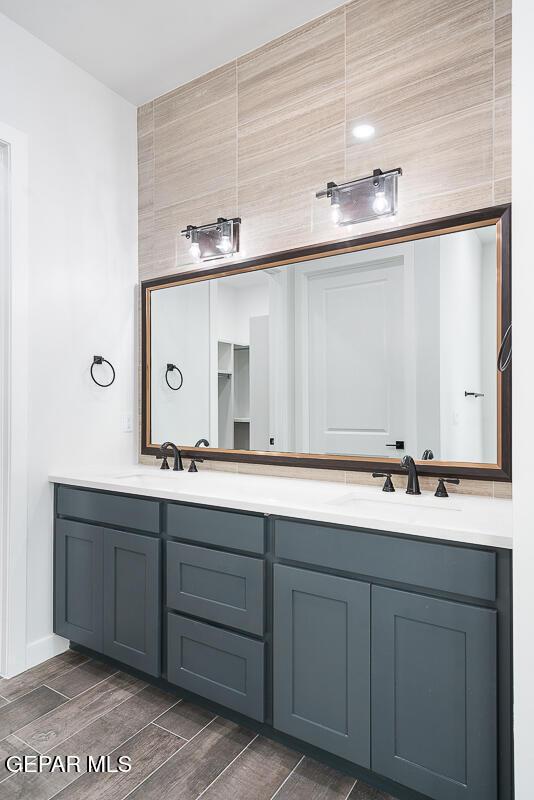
222, 587
212, 526
459, 570
224, 667
107, 508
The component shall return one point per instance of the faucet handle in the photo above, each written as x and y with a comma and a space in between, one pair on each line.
441, 490
388, 483
164, 462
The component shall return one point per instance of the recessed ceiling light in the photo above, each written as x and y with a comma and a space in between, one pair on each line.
363, 132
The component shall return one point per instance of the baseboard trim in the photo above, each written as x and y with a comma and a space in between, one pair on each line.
45, 648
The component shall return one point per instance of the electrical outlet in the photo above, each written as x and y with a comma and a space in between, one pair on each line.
127, 423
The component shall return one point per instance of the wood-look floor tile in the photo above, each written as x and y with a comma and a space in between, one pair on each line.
31, 706
185, 719
11, 688
217, 85
362, 791
197, 764
148, 750
58, 725
299, 66
99, 738
3, 701
314, 781
12, 746
82, 678
257, 773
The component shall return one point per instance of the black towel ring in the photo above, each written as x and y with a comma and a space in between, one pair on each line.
502, 366
102, 360
171, 368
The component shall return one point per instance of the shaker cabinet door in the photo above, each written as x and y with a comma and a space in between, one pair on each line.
321, 652
132, 600
78, 583
434, 695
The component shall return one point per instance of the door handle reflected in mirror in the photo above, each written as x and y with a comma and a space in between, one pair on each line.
398, 445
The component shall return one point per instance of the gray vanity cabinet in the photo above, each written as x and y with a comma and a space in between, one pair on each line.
132, 600
78, 583
321, 668
434, 695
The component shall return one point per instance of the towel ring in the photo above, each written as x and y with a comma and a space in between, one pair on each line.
171, 368
502, 366
102, 360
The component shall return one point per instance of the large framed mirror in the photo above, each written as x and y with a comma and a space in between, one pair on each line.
342, 355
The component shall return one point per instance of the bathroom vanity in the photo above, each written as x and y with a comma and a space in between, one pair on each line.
372, 631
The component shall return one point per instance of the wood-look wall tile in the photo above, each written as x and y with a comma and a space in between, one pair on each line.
171, 250
335, 475
420, 79
145, 242
503, 56
299, 132
145, 186
445, 155
296, 67
502, 491
375, 26
503, 191
145, 118
196, 155
502, 7
200, 93
145, 148
277, 211
503, 138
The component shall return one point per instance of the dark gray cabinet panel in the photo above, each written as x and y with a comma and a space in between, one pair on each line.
434, 696
222, 666
109, 508
222, 587
222, 528
459, 570
321, 664
78, 583
132, 599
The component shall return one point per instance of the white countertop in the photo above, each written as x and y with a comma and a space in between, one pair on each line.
458, 518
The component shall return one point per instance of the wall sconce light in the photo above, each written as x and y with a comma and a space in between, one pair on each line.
215, 240
365, 198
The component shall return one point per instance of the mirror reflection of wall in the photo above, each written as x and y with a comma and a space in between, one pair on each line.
366, 353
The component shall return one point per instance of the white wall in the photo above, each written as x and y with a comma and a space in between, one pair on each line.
523, 390
460, 352
82, 273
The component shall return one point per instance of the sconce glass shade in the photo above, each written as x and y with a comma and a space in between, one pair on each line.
215, 240
364, 199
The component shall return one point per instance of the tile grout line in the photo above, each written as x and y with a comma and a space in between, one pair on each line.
297, 765
121, 744
46, 686
56, 744
227, 767
75, 696
60, 675
162, 728
351, 789
180, 700
166, 760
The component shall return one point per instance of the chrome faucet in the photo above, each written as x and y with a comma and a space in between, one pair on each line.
408, 464
177, 466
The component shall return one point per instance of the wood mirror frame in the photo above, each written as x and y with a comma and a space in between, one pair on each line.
501, 471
